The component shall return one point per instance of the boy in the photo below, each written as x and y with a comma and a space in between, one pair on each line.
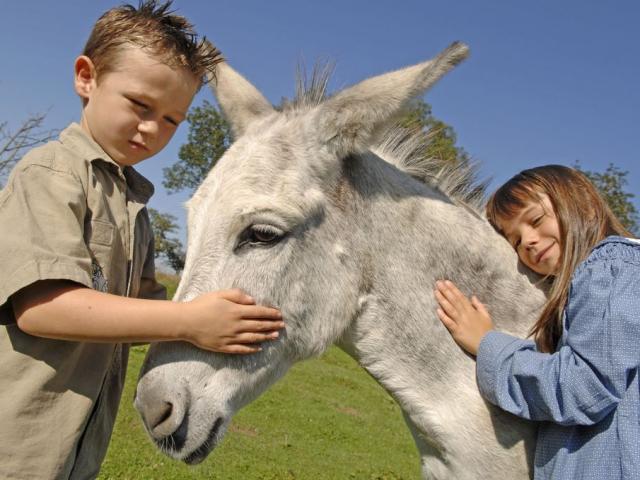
77, 242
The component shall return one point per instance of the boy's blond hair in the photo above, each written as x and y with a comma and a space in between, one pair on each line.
155, 28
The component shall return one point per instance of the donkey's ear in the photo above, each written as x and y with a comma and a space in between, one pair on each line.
349, 120
240, 101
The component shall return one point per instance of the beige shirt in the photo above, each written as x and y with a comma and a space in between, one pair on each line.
68, 212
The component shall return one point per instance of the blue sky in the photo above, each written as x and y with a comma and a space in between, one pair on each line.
546, 82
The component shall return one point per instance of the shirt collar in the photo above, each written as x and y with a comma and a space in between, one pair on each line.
76, 137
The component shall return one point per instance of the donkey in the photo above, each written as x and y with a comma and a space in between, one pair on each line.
312, 210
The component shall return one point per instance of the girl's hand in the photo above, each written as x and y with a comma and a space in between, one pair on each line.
467, 321
228, 321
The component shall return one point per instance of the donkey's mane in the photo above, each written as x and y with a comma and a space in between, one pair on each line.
403, 147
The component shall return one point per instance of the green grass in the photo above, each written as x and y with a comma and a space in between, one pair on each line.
327, 419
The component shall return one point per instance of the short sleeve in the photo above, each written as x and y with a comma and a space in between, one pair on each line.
42, 213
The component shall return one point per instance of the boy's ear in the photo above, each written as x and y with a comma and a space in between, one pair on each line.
84, 76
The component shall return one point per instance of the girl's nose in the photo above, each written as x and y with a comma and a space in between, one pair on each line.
529, 238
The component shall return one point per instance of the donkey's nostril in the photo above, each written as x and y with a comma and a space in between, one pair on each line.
161, 415
162, 411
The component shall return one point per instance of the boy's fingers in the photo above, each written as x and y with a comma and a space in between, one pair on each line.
260, 326
239, 349
258, 311
250, 338
237, 296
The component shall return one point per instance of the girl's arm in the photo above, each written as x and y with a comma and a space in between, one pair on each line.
585, 379
225, 321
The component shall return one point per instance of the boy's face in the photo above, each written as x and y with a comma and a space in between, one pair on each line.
133, 111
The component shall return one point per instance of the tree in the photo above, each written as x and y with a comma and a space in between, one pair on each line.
442, 137
167, 245
209, 137
13, 145
611, 185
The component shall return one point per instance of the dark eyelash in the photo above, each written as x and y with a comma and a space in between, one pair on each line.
138, 103
251, 236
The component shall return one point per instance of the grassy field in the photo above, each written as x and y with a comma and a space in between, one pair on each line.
327, 419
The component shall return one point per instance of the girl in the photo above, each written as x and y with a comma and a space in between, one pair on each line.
580, 377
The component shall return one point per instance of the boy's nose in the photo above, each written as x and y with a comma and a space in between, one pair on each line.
148, 127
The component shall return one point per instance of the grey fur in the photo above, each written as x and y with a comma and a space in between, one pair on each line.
362, 245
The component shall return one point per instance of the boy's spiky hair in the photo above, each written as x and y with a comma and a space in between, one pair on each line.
154, 27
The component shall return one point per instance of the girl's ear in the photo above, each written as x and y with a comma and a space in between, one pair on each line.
85, 77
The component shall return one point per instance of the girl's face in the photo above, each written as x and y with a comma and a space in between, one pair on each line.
534, 233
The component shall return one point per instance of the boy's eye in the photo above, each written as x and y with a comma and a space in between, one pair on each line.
138, 103
171, 121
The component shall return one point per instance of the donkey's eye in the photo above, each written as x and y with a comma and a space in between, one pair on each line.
260, 235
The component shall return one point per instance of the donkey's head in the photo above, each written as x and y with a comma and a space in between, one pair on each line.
268, 219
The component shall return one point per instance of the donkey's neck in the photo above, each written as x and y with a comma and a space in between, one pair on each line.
415, 236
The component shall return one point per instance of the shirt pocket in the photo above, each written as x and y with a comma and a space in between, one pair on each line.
100, 240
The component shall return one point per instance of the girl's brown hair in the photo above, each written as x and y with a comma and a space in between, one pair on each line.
584, 219
155, 28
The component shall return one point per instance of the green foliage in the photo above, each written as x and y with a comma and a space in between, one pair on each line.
167, 245
442, 137
209, 136
169, 281
327, 419
611, 184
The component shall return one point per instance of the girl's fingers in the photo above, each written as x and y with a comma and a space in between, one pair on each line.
448, 291
454, 292
480, 307
456, 298
446, 320
445, 305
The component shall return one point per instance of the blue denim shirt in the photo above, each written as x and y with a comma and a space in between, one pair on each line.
586, 394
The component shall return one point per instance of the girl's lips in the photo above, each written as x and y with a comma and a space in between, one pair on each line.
543, 253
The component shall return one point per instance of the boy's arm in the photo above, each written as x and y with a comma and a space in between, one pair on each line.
225, 321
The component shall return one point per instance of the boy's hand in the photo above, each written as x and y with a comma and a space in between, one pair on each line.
229, 321
467, 321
